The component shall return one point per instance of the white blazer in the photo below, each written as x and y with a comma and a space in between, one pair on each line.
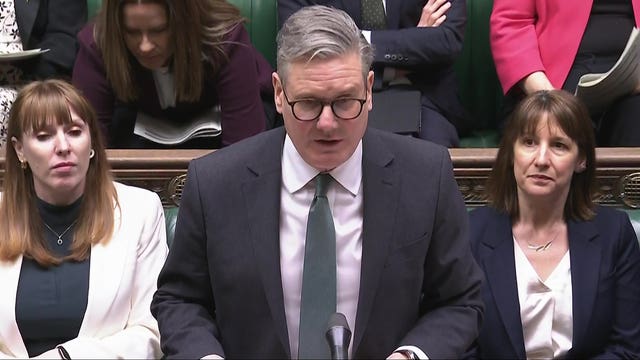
122, 281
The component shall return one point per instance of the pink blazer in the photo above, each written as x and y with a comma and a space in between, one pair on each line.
538, 35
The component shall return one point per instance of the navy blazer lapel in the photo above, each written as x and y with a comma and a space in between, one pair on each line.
26, 12
500, 268
380, 197
585, 255
262, 200
392, 12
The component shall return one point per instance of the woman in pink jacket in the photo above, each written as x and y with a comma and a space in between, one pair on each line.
549, 44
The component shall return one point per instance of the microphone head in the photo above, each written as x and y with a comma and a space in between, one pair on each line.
338, 320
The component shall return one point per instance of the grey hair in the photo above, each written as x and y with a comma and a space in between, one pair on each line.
320, 32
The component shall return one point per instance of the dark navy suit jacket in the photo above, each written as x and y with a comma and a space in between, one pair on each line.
221, 292
53, 25
605, 277
429, 52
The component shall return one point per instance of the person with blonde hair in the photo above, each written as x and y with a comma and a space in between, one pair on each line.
79, 253
176, 60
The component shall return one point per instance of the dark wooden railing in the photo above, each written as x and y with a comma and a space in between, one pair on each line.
164, 172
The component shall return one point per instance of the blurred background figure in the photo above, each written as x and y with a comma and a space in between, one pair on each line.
36, 24
416, 43
177, 61
79, 253
548, 44
562, 274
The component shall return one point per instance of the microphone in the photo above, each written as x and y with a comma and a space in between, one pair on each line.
338, 336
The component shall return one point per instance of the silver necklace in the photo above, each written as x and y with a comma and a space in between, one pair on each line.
60, 241
542, 247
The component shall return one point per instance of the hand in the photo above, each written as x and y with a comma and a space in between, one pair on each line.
433, 13
397, 355
535, 81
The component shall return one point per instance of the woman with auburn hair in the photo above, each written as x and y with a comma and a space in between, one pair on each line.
562, 274
174, 60
79, 253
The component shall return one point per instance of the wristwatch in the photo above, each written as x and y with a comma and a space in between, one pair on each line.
408, 354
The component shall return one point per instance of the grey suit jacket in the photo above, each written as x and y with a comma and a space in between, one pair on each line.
221, 292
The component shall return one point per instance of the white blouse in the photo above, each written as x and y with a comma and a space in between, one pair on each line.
546, 309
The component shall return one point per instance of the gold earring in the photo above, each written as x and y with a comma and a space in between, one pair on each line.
92, 153
23, 164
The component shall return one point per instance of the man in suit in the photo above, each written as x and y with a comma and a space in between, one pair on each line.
234, 283
418, 42
52, 25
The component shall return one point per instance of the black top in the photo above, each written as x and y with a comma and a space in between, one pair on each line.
608, 29
610, 24
51, 302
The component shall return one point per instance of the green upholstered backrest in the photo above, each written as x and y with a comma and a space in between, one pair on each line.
480, 90
634, 215
262, 24
93, 6
170, 217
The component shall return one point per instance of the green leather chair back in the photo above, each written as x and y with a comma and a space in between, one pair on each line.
93, 6
170, 217
262, 25
480, 90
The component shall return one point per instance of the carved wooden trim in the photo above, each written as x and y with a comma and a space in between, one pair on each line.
164, 172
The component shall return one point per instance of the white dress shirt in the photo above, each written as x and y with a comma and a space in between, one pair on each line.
345, 201
546, 308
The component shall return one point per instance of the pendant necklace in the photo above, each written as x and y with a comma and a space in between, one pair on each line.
60, 241
542, 247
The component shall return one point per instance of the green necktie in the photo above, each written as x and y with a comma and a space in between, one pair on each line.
318, 276
373, 16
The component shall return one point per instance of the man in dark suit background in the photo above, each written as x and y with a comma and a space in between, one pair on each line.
52, 25
234, 282
419, 42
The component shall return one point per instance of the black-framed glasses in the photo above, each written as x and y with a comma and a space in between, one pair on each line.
310, 109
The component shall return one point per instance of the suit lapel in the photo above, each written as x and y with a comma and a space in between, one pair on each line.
9, 333
500, 268
392, 11
380, 199
585, 250
107, 263
26, 12
262, 201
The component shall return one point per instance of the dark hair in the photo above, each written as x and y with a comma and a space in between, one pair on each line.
573, 118
38, 105
197, 30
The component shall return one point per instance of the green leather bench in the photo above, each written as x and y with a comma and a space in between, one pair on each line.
480, 90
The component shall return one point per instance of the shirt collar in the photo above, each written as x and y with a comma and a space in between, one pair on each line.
296, 173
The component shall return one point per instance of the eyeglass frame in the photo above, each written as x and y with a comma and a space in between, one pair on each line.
325, 103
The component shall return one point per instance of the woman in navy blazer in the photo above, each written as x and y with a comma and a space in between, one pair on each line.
562, 274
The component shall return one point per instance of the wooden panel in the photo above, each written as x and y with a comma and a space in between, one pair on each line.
163, 171
618, 175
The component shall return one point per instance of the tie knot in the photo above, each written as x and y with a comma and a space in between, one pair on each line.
322, 184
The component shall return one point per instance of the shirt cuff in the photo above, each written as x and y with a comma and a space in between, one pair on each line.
367, 35
416, 350
211, 357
